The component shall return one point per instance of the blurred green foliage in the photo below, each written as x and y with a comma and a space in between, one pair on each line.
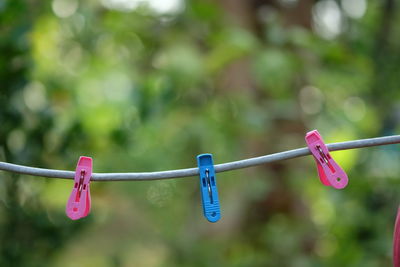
147, 85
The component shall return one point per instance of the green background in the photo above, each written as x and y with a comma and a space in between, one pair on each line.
147, 85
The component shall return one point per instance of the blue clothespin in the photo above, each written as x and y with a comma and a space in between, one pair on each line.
208, 188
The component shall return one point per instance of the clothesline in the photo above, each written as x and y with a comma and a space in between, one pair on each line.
170, 174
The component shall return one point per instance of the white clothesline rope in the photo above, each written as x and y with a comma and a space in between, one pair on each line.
142, 176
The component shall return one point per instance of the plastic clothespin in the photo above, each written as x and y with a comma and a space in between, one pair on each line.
208, 188
396, 241
78, 205
329, 171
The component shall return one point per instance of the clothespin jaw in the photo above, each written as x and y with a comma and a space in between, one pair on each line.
78, 205
329, 171
208, 188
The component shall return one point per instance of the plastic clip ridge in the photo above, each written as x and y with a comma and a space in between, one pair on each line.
329, 171
78, 205
208, 188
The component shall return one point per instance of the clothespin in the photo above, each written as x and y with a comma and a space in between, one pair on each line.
329, 171
208, 188
396, 241
78, 205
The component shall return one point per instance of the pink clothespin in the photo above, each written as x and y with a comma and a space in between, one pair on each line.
396, 241
329, 171
78, 205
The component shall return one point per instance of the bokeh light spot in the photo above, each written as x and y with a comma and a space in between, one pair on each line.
327, 19
64, 8
354, 108
311, 100
34, 96
354, 8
